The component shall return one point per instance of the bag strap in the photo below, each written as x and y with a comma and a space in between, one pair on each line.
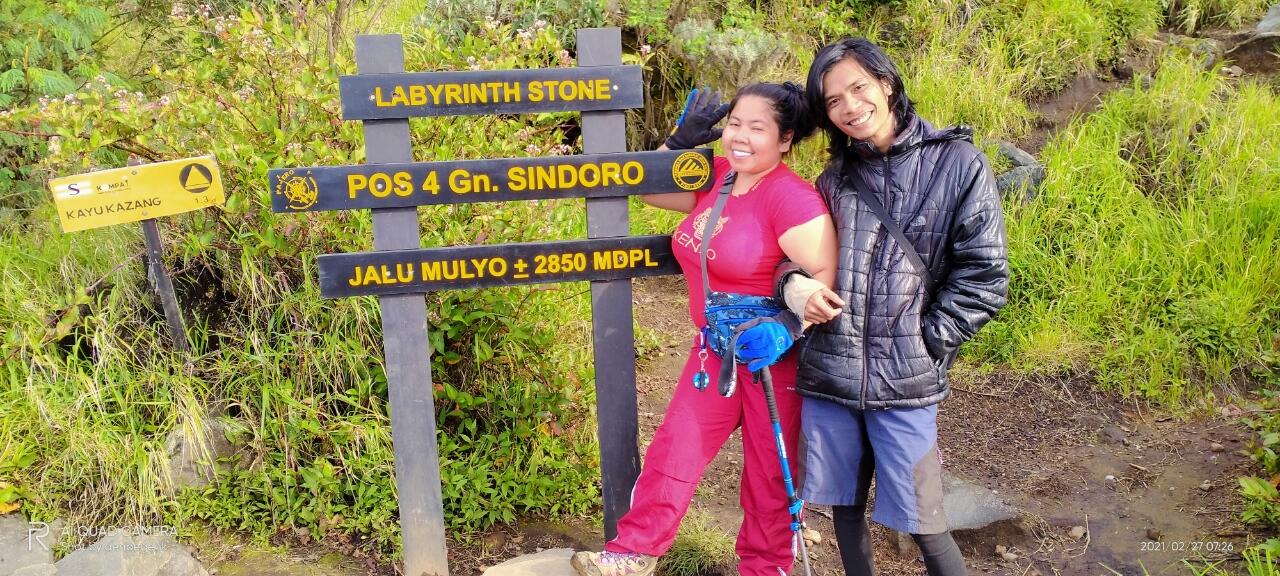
896, 231
710, 227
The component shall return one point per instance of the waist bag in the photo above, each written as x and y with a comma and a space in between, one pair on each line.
727, 313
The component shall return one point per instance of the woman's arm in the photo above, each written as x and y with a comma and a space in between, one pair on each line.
813, 246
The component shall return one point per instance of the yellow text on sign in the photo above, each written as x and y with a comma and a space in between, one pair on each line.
598, 89
519, 179
137, 193
499, 267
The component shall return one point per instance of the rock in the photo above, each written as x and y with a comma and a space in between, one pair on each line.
1209, 50
812, 536
25, 543
1077, 532
1000, 549
1153, 534
494, 540
192, 460
1021, 182
1270, 23
120, 553
1010, 556
1110, 478
1018, 156
37, 570
554, 562
978, 518
1216, 447
969, 506
1233, 71
1122, 70
1206, 486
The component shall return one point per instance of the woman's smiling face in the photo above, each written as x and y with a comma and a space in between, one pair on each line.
858, 103
751, 137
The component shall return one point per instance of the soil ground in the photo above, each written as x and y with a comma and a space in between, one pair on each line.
1150, 490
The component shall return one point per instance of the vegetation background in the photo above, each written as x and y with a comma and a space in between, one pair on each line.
1146, 261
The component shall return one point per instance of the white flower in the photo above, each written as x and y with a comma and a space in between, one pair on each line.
164, 100
645, 49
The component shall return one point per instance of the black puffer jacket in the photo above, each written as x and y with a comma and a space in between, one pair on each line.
892, 344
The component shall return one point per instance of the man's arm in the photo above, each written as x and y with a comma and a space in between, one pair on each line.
978, 283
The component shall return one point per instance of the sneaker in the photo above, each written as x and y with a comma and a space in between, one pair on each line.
613, 564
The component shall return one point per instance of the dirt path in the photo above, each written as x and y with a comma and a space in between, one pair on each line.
1047, 446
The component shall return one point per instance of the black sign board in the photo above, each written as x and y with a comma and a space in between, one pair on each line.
378, 96
465, 181
427, 270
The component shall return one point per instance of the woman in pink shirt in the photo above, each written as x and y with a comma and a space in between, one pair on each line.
771, 213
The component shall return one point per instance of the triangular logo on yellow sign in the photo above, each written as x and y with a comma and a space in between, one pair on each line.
195, 178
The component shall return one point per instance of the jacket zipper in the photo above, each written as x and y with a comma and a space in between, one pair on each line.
866, 310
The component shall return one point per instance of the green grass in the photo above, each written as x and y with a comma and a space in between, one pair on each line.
1193, 15
699, 547
1149, 255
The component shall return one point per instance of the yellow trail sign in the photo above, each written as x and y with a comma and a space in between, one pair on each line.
137, 193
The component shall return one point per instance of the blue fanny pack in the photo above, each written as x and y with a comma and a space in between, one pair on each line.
727, 313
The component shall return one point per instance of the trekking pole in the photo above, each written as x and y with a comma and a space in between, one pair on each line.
794, 504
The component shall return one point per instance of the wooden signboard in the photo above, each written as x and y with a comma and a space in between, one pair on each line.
398, 270
464, 181
375, 96
454, 268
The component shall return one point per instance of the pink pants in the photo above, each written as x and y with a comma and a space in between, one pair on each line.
695, 426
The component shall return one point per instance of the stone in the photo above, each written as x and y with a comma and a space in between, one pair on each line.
553, 562
1216, 447
1270, 23
25, 543
1206, 486
1021, 182
1077, 532
1208, 50
120, 553
812, 536
37, 570
1154, 534
1010, 556
977, 517
1018, 156
192, 465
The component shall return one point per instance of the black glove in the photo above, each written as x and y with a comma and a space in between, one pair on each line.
698, 126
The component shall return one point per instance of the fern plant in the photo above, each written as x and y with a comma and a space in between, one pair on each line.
46, 48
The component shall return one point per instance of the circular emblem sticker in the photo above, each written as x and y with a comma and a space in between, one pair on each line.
691, 170
195, 178
301, 191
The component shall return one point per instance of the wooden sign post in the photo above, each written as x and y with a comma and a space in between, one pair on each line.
399, 271
142, 193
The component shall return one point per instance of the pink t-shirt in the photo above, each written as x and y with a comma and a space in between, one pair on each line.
744, 248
